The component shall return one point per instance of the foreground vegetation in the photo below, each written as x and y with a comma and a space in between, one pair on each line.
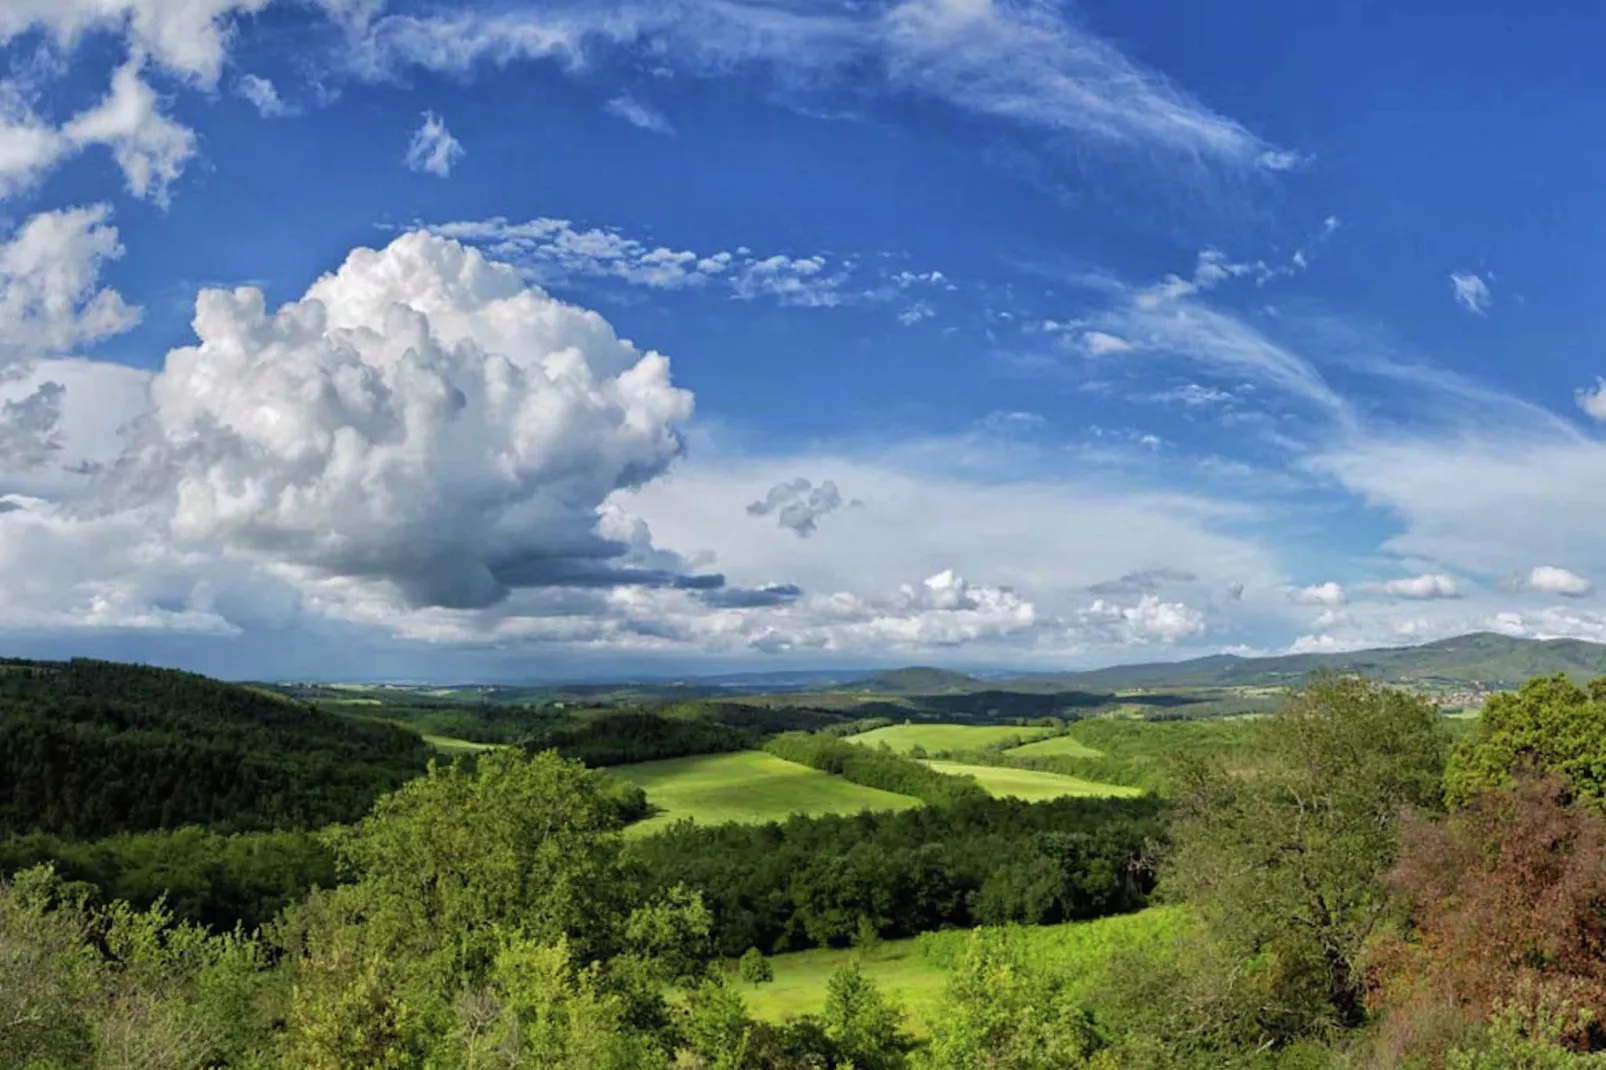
1344, 886
915, 972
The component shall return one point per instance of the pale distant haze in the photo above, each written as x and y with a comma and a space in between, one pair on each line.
472, 340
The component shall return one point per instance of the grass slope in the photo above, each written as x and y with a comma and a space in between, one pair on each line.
1056, 747
747, 786
451, 746
1030, 784
914, 972
935, 738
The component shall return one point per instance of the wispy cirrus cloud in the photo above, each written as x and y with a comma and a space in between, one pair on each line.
1471, 292
1021, 61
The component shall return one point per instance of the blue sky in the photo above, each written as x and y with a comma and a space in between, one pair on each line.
452, 341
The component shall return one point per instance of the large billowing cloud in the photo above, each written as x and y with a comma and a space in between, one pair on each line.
421, 420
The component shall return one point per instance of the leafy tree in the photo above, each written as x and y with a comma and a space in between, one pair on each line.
489, 911
999, 1013
1550, 723
754, 968
1284, 866
1505, 903
864, 1026
119, 987
1525, 1038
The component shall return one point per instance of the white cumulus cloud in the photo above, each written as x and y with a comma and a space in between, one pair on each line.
1321, 594
421, 426
1552, 579
1424, 587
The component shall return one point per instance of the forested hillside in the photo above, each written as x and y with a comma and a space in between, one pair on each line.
90, 748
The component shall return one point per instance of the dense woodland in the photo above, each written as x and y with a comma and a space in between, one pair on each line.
1356, 889
979, 861
89, 748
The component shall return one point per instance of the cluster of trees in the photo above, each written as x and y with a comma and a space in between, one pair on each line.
1367, 896
618, 737
89, 748
874, 768
220, 880
441, 951
825, 881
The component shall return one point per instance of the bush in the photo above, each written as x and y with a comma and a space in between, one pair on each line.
754, 968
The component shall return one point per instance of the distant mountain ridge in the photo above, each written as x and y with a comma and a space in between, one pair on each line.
1484, 658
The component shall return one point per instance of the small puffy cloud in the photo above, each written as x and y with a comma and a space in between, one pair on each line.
1593, 401
420, 429
798, 504
1193, 396
433, 150
1148, 620
638, 114
916, 312
1552, 579
1471, 292
262, 95
29, 146
51, 299
554, 252
801, 280
1328, 644
1321, 594
1425, 587
151, 148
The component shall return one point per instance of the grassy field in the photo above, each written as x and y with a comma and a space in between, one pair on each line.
1056, 746
914, 972
748, 786
450, 747
1030, 784
944, 737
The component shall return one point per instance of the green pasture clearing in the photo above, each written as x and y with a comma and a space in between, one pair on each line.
936, 738
449, 746
747, 786
1030, 784
914, 972
1057, 747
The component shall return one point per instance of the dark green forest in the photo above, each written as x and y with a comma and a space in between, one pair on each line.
90, 748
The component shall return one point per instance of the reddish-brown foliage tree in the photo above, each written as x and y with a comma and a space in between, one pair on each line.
1508, 907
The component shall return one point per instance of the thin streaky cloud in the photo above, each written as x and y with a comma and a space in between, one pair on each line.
638, 114
1023, 62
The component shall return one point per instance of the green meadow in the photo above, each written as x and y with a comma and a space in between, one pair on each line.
938, 738
914, 972
1056, 747
1031, 784
747, 786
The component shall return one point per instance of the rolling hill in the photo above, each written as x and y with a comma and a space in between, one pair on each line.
89, 748
1496, 661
